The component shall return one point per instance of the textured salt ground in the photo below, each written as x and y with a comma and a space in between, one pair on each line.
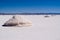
41, 29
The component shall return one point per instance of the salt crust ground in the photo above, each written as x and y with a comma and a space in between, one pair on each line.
42, 28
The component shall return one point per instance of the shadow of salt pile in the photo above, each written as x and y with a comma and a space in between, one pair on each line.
17, 21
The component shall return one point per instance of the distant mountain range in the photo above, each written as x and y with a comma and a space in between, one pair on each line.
29, 13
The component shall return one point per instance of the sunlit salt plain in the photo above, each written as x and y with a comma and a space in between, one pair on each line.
42, 28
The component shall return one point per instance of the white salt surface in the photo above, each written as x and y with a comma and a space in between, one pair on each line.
42, 28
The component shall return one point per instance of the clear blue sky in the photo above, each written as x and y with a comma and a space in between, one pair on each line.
34, 6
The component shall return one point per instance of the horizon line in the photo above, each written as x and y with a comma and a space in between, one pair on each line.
29, 13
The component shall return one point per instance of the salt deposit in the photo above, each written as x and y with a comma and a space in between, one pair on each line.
17, 21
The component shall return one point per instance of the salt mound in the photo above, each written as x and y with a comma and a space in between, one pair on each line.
17, 21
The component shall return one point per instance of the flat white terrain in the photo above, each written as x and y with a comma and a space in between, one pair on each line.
42, 28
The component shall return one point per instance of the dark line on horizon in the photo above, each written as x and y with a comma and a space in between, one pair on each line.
29, 13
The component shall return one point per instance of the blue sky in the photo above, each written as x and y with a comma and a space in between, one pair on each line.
30, 6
